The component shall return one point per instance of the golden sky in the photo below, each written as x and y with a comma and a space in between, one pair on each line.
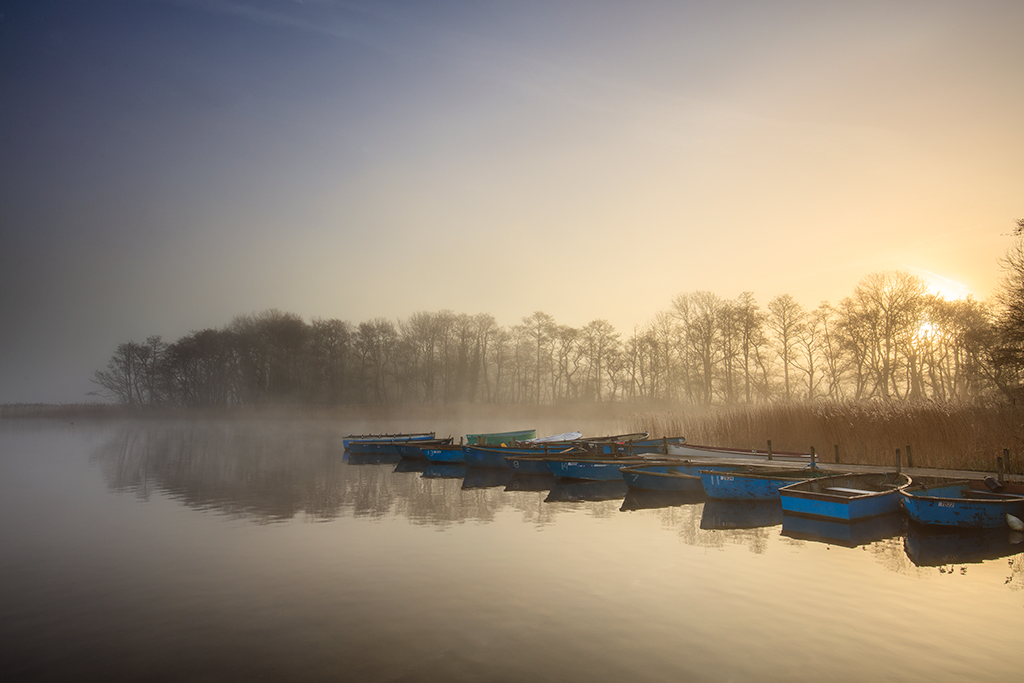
168, 165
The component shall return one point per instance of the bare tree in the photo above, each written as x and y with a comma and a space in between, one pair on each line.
599, 339
124, 378
1007, 359
786, 320
540, 329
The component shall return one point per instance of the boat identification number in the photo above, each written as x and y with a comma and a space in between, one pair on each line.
945, 505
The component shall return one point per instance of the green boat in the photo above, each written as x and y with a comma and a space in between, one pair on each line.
499, 438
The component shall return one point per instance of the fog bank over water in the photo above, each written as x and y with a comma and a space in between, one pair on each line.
168, 165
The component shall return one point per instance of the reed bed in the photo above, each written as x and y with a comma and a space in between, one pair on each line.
942, 436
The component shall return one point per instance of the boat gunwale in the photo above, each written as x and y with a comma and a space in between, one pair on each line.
794, 492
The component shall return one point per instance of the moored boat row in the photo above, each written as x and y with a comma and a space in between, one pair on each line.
645, 464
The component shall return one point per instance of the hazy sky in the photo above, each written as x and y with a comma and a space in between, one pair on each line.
168, 164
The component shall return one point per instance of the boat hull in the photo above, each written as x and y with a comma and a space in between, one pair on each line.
956, 504
402, 448
845, 497
592, 470
445, 454
749, 484
389, 438
684, 476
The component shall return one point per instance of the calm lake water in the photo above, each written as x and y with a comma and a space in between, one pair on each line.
210, 551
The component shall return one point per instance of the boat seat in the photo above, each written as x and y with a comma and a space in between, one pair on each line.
852, 492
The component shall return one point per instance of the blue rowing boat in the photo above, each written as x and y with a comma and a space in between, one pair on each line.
406, 449
845, 497
943, 501
390, 438
495, 456
593, 469
446, 453
753, 483
666, 476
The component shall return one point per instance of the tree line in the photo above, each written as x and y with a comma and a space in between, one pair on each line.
890, 339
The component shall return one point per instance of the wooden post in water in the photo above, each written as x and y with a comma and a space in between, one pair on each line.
769, 449
910, 457
836, 446
813, 457
899, 464
664, 445
999, 469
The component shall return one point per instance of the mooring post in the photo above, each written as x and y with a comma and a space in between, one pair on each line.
813, 457
769, 449
999, 469
899, 464
836, 446
910, 457
664, 445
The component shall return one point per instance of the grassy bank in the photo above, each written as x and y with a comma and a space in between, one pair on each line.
946, 436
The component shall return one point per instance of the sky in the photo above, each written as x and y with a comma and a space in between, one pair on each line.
167, 165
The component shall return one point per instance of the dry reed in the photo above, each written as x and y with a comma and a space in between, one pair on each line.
943, 436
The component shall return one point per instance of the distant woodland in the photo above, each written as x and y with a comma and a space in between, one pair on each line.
890, 339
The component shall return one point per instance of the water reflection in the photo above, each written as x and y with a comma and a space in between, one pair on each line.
445, 470
650, 500
531, 482
933, 547
568, 491
486, 477
848, 534
372, 458
410, 465
740, 514
233, 468
244, 469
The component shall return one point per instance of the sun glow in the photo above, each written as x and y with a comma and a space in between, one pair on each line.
943, 287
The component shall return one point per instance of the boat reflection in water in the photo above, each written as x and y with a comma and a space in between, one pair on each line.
848, 534
374, 459
574, 491
637, 499
445, 470
740, 514
933, 547
486, 477
407, 465
531, 482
